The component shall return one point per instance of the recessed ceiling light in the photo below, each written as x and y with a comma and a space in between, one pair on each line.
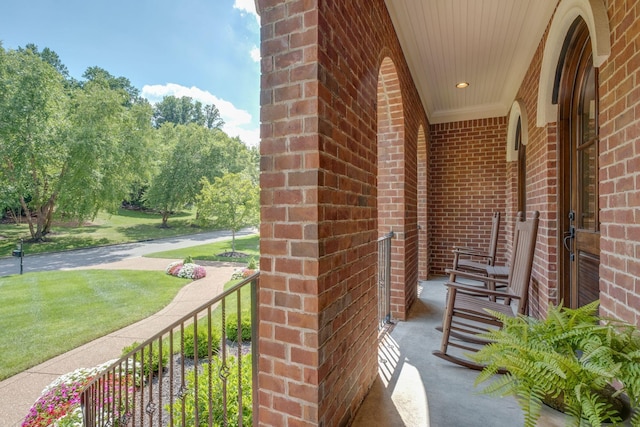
462, 85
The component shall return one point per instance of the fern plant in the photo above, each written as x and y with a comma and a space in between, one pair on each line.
573, 360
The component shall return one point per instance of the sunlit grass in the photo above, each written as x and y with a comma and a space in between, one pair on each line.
49, 313
248, 245
125, 226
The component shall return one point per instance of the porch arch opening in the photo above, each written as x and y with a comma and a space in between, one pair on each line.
594, 14
423, 191
517, 138
390, 182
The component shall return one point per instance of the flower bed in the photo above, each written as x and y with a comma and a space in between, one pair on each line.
186, 270
59, 403
242, 273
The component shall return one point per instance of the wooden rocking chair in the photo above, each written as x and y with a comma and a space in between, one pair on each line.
465, 314
476, 260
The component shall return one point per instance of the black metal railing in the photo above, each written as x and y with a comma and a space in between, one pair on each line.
192, 373
384, 280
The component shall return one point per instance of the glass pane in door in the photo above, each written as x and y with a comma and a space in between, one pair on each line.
588, 108
588, 182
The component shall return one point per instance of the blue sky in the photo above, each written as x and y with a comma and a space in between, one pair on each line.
206, 49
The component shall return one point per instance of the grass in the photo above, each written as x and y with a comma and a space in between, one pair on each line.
123, 227
249, 245
46, 314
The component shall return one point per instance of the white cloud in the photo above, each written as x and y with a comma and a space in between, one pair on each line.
255, 54
236, 120
248, 6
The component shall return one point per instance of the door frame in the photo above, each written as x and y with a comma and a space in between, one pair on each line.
566, 89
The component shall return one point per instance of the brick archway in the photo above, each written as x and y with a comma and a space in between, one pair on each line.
423, 220
392, 192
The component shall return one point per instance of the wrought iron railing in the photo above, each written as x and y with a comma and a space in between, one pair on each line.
384, 280
189, 374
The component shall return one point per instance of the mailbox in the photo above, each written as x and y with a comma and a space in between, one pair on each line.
17, 252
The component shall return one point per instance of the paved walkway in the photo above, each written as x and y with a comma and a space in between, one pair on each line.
18, 393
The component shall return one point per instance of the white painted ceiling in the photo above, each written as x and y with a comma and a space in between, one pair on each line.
487, 43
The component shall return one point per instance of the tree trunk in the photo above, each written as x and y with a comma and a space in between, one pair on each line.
165, 218
48, 220
27, 214
233, 241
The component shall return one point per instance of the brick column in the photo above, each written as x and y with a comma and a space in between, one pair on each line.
319, 223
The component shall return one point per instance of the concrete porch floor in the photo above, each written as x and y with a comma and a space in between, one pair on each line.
416, 389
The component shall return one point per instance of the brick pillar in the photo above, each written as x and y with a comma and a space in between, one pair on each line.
319, 204
288, 298
317, 334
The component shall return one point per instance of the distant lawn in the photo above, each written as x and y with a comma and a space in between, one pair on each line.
249, 245
125, 226
48, 313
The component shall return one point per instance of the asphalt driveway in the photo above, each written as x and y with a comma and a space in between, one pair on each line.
108, 254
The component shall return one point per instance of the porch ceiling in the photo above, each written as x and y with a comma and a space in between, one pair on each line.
487, 43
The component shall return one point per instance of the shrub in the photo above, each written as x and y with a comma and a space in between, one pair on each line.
251, 264
203, 343
231, 327
212, 373
571, 360
155, 357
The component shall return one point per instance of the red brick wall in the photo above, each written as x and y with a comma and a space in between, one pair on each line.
619, 173
319, 224
541, 190
468, 183
620, 165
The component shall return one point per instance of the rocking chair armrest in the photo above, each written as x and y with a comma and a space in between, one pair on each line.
477, 277
475, 290
471, 252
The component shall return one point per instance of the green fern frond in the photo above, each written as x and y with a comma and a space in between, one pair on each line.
608, 372
530, 401
571, 354
595, 409
488, 372
505, 385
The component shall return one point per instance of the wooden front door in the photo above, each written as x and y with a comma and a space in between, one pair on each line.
578, 147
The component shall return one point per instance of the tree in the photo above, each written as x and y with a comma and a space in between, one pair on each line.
189, 153
50, 57
182, 111
109, 149
71, 148
179, 169
32, 123
231, 201
93, 74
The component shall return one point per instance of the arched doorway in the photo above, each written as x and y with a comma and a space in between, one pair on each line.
579, 225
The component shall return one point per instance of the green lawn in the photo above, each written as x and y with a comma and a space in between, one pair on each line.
45, 314
248, 245
125, 226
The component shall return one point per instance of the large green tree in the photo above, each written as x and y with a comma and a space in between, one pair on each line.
231, 202
179, 168
109, 148
66, 147
189, 153
185, 110
32, 126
